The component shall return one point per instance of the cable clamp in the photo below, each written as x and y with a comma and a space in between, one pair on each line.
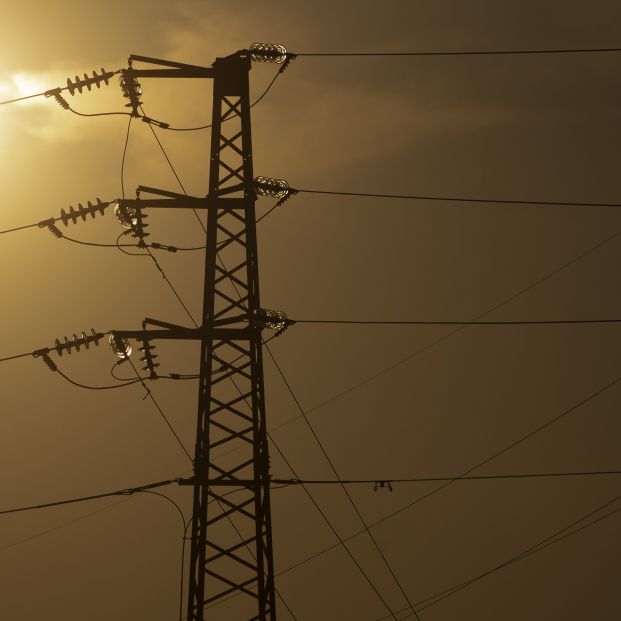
44, 354
382, 485
150, 121
53, 229
288, 322
289, 57
56, 94
159, 246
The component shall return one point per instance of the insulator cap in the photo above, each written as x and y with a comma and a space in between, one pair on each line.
125, 215
131, 89
120, 346
149, 358
77, 342
268, 53
81, 212
138, 229
268, 186
79, 83
270, 319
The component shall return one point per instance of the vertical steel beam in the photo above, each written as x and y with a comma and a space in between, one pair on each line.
231, 539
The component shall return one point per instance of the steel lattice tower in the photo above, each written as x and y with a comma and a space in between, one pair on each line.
231, 549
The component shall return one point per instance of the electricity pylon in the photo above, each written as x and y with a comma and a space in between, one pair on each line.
231, 535
231, 402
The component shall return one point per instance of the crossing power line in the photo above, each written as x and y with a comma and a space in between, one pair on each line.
451, 481
573, 528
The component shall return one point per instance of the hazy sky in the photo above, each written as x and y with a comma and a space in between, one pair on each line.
513, 127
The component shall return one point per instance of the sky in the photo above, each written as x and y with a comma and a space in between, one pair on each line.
387, 402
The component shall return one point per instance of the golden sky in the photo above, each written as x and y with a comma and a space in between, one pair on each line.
521, 127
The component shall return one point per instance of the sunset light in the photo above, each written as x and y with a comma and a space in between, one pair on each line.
433, 434
25, 85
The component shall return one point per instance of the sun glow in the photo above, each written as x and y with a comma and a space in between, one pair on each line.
24, 85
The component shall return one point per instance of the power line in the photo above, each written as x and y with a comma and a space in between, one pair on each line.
63, 525
10, 101
44, 351
170, 164
19, 228
68, 379
509, 322
482, 477
16, 356
99, 113
446, 199
129, 125
159, 409
183, 540
357, 194
278, 483
597, 50
269, 211
172, 287
267, 90
149, 253
351, 501
463, 199
516, 322
129, 383
174, 171
90, 514
154, 245
594, 50
122, 492
169, 376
